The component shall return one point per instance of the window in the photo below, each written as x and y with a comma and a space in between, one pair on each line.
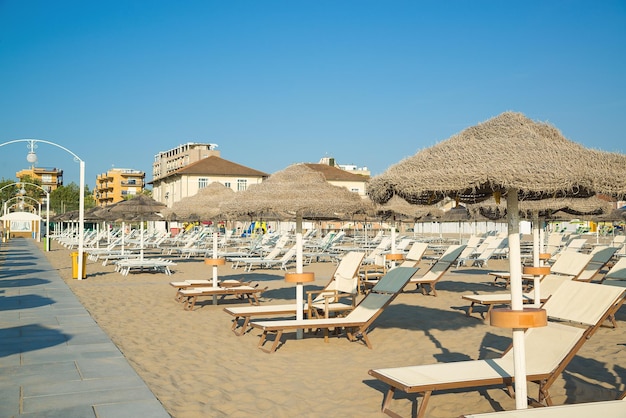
227, 184
242, 184
46, 178
203, 182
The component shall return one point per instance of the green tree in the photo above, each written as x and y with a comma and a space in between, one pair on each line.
66, 198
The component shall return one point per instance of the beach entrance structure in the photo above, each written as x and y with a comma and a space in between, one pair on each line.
510, 157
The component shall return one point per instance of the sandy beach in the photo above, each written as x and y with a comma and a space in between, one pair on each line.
197, 367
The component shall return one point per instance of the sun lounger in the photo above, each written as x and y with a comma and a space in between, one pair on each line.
186, 284
571, 265
436, 272
356, 323
617, 272
190, 296
575, 311
328, 300
147, 264
601, 255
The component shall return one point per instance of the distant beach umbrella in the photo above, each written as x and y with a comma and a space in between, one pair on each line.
138, 209
203, 206
509, 157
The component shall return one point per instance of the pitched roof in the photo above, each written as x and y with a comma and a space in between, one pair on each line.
336, 174
217, 166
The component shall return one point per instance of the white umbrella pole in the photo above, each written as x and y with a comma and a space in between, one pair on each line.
536, 249
215, 257
123, 230
515, 265
214, 265
141, 241
299, 286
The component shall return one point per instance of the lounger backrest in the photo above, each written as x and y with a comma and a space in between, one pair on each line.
570, 263
452, 253
576, 244
473, 241
417, 251
384, 244
345, 279
618, 271
600, 256
273, 254
546, 347
394, 281
403, 244
290, 253
583, 303
555, 241
549, 284
369, 306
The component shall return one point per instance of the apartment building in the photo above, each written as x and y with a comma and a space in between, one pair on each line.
50, 178
118, 184
188, 180
167, 162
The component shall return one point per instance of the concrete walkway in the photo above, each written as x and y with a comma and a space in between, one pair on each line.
55, 361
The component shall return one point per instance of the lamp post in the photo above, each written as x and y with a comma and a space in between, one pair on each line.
31, 157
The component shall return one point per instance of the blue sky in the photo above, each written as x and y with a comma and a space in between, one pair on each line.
281, 82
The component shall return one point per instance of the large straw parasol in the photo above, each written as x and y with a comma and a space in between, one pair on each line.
508, 156
297, 192
139, 209
204, 205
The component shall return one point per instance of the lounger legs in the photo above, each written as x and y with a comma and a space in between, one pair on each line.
244, 326
421, 412
279, 334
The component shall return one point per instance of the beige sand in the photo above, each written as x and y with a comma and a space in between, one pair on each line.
197, 367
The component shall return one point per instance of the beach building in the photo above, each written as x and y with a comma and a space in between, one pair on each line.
198, 166
118, 184
364, 171
49, 178
339, 177
167, 162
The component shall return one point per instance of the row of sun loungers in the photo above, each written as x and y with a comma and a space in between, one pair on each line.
576, 309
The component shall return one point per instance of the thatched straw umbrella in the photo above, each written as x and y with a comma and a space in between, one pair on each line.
204, 205
299, 192
140, 208
511, 156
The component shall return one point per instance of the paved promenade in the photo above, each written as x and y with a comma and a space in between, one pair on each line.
55, 361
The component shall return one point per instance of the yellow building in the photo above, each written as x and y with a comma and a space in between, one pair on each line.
50, 178
117, 184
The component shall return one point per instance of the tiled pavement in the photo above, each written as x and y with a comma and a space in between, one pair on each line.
55, 361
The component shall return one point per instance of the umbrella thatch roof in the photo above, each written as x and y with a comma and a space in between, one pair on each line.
296, 190
65, 217
203, 206
585, 207
401, 209
140, 207
509, 151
